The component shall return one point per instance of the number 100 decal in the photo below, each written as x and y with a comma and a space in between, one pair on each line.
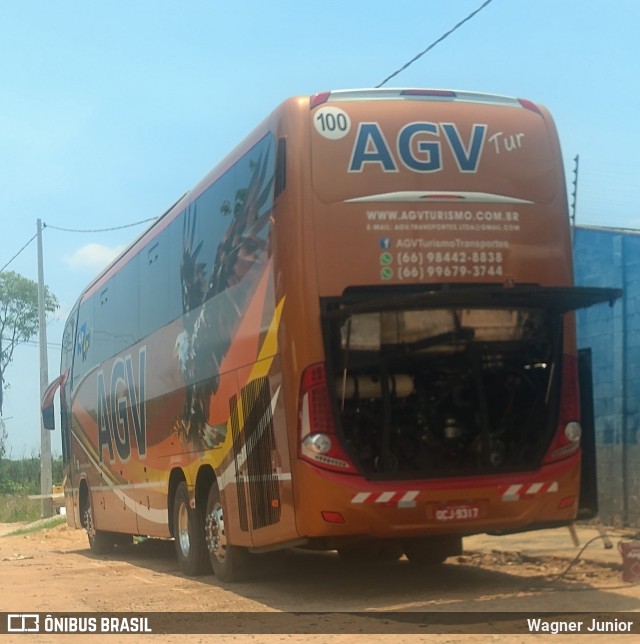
332, 122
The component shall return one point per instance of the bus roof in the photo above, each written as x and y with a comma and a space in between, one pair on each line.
351, 95
442, 95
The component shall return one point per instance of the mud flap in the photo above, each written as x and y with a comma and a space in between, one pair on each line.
588, 501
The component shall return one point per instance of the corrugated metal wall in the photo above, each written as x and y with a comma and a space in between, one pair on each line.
611, 257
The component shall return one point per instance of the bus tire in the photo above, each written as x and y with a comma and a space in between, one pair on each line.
432, 551
229, 562
101, 543
188, 529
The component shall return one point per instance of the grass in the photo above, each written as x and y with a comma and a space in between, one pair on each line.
44, 524
17, 507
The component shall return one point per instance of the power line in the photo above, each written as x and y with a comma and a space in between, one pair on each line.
34, 343
99, 230
433, 44
18, 253
78, 230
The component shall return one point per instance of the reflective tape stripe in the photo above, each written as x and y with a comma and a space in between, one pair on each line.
517, 491
400, 498
512, 493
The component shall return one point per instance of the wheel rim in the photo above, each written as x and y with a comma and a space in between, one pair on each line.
183, 529
216, 536
89, 523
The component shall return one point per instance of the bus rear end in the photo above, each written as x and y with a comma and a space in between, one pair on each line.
444, 400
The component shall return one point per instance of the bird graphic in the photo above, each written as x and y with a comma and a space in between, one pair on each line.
213, 302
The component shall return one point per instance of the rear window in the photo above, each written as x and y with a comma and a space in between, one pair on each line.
439, 329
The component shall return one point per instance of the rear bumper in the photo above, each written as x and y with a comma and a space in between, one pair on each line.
464, 506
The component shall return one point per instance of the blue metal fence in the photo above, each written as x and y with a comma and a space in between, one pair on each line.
611, 257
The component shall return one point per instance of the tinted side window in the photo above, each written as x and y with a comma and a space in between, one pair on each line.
205, 250
116, 324
227, 228
154, 280
66, 365
83, 349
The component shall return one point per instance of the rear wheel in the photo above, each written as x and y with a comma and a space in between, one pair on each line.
188, 530
229, 562
100, 542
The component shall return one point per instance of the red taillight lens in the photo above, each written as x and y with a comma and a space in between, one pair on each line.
319, 99
529, 105
319, 443
314, 388
567, 439
567, 502
332, 517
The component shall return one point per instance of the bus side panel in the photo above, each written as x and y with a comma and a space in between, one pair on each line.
296, 263
107, 484
122, 436
258, 492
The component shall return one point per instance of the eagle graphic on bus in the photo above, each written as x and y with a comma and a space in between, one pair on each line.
210, 322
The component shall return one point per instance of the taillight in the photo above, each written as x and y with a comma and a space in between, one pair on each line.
319, 99
568, 433
529, 105
319, 443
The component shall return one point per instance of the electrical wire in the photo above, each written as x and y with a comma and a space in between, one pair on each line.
77, 230
604, 537
34, 343
576, 558
18, 253
98, 230
433, 44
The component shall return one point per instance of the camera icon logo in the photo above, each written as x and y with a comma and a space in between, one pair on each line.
23, 623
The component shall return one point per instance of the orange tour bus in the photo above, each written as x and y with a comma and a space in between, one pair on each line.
354, 334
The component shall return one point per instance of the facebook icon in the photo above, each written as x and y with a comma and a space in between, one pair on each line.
385, 243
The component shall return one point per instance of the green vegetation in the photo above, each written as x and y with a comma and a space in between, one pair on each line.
45, 524
17, 507
18, 479
18, 318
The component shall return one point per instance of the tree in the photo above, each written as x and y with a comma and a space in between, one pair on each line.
3, 443
18, 317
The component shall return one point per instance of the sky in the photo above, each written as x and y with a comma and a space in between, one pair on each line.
110, 111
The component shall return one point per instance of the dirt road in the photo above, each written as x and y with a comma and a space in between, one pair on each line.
54, 570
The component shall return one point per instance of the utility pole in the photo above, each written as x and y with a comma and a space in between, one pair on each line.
46, 475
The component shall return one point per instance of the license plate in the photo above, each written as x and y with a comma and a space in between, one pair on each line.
457, 511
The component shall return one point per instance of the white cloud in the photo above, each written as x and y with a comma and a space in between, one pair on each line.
92, 256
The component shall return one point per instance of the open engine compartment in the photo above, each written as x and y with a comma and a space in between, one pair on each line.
424, 391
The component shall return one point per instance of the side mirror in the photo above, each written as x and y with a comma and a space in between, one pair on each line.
47, 408
48, 417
